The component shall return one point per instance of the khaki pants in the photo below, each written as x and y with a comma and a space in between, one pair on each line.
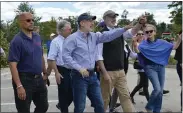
119, 82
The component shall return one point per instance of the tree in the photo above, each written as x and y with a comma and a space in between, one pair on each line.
161, 27
176, 15
25, 7
5, 45
73, 21
47, 28
123, 21
150, 18
12, 26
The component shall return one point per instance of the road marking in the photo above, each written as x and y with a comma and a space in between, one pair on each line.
6, 73
6, 104
10, 78
49, 101
54, 85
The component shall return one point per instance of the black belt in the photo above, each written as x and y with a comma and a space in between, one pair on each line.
63, 68
29, 74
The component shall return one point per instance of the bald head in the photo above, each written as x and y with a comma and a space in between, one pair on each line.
23, 15
26, 21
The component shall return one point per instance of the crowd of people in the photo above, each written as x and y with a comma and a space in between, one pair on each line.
89, 64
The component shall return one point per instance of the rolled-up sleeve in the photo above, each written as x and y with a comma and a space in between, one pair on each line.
53, 52
68, 47
128, 34
15, 50
108, 36
99, 51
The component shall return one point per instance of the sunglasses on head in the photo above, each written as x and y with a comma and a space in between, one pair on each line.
150, 31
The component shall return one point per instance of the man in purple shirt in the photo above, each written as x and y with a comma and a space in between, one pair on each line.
27, 64
79, 54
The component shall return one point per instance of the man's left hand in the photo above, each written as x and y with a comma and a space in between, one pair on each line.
45, 78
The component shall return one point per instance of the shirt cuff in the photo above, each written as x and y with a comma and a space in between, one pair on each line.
99, 57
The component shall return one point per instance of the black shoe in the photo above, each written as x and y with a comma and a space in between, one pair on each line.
113, 111
165, 91
142, 93
133, 101
58, 107
117, 105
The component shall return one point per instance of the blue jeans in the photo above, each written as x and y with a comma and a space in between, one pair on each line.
88, 86
156, 74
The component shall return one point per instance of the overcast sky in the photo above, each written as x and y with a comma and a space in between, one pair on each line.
64, 9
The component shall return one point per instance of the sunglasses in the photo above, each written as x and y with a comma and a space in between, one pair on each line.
140, 34
29, 20
150, 31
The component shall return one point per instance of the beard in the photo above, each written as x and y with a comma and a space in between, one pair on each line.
30, 29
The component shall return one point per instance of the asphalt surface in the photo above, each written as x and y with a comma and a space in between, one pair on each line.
171, 101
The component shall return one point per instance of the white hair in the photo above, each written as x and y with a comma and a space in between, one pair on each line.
61, 24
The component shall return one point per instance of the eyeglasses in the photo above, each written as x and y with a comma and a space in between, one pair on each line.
29, 20
140, 34
150, 31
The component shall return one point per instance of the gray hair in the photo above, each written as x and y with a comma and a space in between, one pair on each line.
61, 24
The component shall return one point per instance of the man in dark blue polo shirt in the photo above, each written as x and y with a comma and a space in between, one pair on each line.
26, 64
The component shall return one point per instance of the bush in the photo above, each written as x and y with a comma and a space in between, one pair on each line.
172, 61
5, 45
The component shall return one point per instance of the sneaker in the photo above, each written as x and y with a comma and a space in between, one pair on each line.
165, 91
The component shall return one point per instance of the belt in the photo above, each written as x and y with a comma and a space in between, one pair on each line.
63, 68
91, 70
29, 74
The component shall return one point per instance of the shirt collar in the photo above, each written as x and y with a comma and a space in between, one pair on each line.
83, 34
60, 36
26, 37
110, 28
151, 41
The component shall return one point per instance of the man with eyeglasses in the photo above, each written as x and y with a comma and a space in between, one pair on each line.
79, 54
62, 72
112, 67
27, 64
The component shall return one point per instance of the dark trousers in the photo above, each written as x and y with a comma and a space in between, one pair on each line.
65, 89
36, 91
143, 84
88, 86
179, 72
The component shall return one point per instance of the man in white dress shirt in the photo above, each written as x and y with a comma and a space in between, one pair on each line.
62, 73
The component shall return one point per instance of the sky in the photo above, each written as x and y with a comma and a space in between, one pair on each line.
63, 9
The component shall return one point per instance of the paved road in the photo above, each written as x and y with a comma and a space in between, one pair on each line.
170, 101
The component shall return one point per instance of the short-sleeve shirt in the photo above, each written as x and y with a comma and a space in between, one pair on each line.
26, 52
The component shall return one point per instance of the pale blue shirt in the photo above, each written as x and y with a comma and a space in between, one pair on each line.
55, 52
79, 48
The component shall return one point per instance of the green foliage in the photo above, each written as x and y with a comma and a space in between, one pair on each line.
11, 27
46, 28
176, 15
172, 61
5, 45
150, 18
